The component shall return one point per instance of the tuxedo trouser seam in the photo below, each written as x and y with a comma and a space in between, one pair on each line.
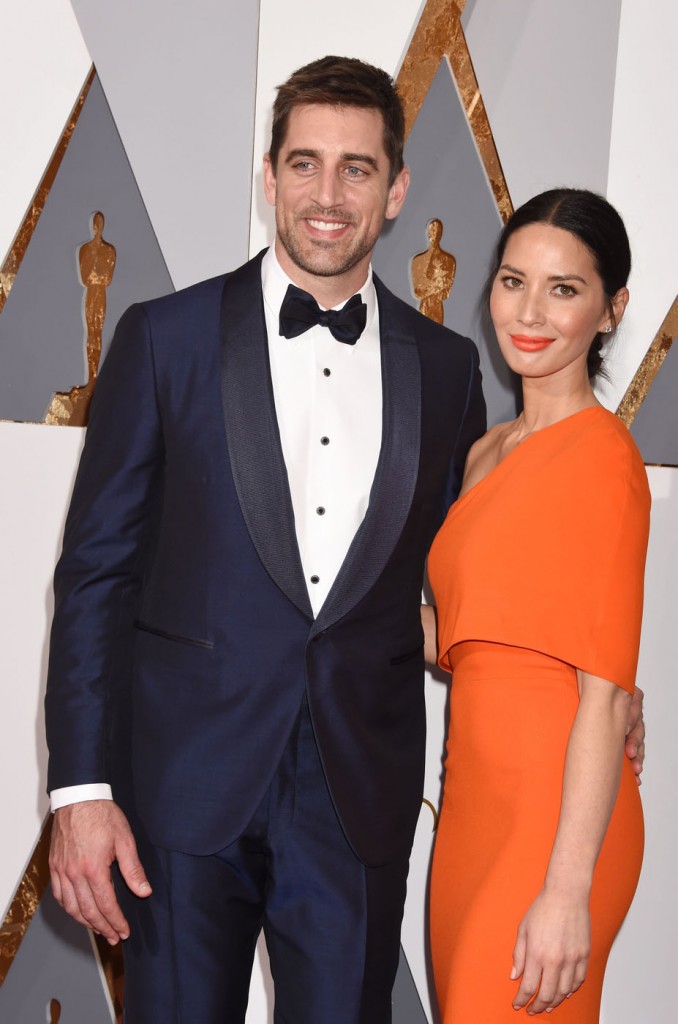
365, 935
175, 960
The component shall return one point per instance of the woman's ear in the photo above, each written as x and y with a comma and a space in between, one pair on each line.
618, 305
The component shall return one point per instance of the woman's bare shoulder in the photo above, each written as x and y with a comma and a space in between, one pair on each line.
484, 454
490, 441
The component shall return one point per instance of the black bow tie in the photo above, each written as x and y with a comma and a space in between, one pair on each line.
300, 311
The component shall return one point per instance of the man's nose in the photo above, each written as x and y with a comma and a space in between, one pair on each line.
329, 188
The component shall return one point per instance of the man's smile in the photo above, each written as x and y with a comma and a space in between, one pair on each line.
326, 225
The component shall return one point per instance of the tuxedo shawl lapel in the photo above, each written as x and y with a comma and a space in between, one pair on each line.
397, 469
252, 433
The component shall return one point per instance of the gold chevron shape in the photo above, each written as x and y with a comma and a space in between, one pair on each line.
646, 374
10, 267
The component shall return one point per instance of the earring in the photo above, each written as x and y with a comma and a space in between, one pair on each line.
608, 329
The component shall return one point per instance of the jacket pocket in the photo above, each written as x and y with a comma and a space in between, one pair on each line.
190, 640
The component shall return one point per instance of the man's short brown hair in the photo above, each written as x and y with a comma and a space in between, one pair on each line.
342, 82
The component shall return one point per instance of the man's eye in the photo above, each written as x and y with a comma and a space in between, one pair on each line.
354, 172
303, 165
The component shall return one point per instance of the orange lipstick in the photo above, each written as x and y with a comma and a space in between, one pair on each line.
530, 342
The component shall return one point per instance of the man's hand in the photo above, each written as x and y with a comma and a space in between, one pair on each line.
635, 733
86, 838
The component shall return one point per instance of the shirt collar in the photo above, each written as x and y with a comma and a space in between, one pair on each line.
274, 282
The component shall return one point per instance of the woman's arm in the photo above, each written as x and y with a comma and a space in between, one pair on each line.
428, 621
553, 945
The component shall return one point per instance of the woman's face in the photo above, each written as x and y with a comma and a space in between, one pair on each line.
547, 302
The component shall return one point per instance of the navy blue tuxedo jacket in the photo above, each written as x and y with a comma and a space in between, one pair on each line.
183, 638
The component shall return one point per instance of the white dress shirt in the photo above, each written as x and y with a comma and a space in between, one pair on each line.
328, 405
328, 402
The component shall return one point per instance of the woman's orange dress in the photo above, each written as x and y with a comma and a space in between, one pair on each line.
537, 570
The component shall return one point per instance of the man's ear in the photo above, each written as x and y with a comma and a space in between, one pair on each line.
269, 180
397, 193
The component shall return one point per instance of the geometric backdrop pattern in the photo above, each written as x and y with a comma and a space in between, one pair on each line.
655, 386
55, 971
408, 1009
42, 328
449, 183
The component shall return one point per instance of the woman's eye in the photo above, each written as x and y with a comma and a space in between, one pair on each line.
511, 282
565, 289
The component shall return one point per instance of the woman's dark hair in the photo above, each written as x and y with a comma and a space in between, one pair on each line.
596, 223
342, 82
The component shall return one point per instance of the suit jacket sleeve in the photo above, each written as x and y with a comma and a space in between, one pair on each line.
99, 571
473, 425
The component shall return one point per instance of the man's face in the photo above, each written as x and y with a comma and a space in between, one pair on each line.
331, 192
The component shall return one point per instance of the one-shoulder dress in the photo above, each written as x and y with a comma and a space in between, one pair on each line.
537, 571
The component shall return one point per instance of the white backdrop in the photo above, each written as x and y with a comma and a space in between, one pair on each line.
37, 466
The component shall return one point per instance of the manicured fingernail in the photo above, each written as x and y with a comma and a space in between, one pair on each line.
514, 974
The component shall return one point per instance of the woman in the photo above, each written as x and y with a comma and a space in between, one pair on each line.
538, 574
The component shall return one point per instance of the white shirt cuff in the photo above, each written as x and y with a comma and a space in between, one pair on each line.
78, 794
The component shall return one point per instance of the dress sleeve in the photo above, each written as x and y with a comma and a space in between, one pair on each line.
548, 551
617, 500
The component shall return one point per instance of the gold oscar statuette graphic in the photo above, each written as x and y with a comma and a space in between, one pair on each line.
97, 266
432, 273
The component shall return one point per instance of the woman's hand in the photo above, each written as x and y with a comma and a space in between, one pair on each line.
554, 937
552, 950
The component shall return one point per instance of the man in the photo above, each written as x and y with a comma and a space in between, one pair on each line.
237, 644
